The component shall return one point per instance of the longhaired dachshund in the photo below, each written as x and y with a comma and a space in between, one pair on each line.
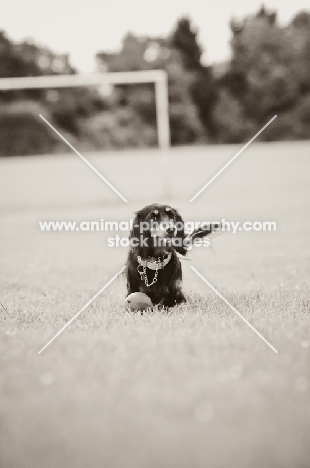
153, 266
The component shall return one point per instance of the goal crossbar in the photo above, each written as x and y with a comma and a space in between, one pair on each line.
91, 79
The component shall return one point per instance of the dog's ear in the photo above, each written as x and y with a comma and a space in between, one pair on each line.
203, 232
139, 238
178, 242
135, 228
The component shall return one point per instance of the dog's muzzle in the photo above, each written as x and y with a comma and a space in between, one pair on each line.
163, 231
171, 231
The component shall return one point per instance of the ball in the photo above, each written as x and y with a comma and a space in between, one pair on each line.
138, 301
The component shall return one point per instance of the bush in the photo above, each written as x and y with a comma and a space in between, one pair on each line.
231, 123
118, 128
22, 132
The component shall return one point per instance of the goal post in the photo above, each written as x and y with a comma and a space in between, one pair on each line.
158, 77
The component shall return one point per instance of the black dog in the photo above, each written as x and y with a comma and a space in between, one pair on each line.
153, 266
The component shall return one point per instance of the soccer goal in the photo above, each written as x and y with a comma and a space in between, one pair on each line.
104, 81
158, 77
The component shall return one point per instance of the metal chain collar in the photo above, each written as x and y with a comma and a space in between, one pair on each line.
143, 274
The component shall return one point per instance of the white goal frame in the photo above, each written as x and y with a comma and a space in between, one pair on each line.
158, 77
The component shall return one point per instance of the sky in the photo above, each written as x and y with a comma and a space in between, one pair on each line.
82, 29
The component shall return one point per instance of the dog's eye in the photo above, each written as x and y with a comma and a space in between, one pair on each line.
169, 212
154, 214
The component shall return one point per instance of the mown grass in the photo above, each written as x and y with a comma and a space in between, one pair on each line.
191, 387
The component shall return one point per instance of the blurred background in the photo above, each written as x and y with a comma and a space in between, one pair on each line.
230, 68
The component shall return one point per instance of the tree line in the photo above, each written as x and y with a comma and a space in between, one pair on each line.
268, 74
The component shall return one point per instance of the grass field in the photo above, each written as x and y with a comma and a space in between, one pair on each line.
190, 388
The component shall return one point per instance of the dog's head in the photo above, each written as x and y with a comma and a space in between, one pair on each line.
157, 229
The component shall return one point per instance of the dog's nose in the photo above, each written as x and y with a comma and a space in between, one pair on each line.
170, 231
